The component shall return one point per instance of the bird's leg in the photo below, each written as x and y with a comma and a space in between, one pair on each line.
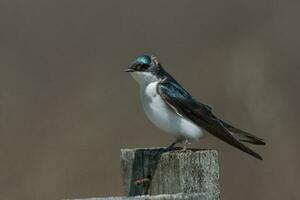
178, 140
186, 142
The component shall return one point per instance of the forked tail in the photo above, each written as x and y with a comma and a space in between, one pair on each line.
243, 136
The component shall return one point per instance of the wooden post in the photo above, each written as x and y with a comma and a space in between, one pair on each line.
157, 171
181, 196
158, 174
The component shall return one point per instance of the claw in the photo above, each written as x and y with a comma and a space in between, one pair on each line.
186, 142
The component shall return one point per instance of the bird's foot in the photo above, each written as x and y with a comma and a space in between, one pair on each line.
172, 146
186, 142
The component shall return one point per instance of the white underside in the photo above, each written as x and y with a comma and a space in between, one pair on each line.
161, 115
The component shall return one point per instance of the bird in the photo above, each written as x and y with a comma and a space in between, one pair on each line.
172, 109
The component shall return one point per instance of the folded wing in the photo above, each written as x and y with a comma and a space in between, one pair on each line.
243, 136
182, 103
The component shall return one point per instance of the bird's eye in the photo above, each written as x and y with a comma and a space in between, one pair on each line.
143, 67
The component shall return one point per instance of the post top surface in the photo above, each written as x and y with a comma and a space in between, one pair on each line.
175, 150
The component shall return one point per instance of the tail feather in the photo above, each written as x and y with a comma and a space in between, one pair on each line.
244, 136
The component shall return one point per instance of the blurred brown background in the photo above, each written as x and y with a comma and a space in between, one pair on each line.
67, 107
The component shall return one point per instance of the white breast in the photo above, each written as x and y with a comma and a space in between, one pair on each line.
164, 118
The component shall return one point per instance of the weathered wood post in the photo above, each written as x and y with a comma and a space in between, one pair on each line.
157, 171
158, 174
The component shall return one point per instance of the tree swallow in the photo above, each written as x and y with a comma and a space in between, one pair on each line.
171, 108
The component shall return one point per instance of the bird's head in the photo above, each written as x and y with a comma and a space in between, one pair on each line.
145, 69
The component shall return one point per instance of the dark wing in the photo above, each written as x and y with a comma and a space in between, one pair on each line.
243, 136
184, 104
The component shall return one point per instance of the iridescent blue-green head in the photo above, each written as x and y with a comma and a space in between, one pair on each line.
145, 69
144, 63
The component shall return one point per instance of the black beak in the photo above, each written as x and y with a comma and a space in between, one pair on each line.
130, 68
